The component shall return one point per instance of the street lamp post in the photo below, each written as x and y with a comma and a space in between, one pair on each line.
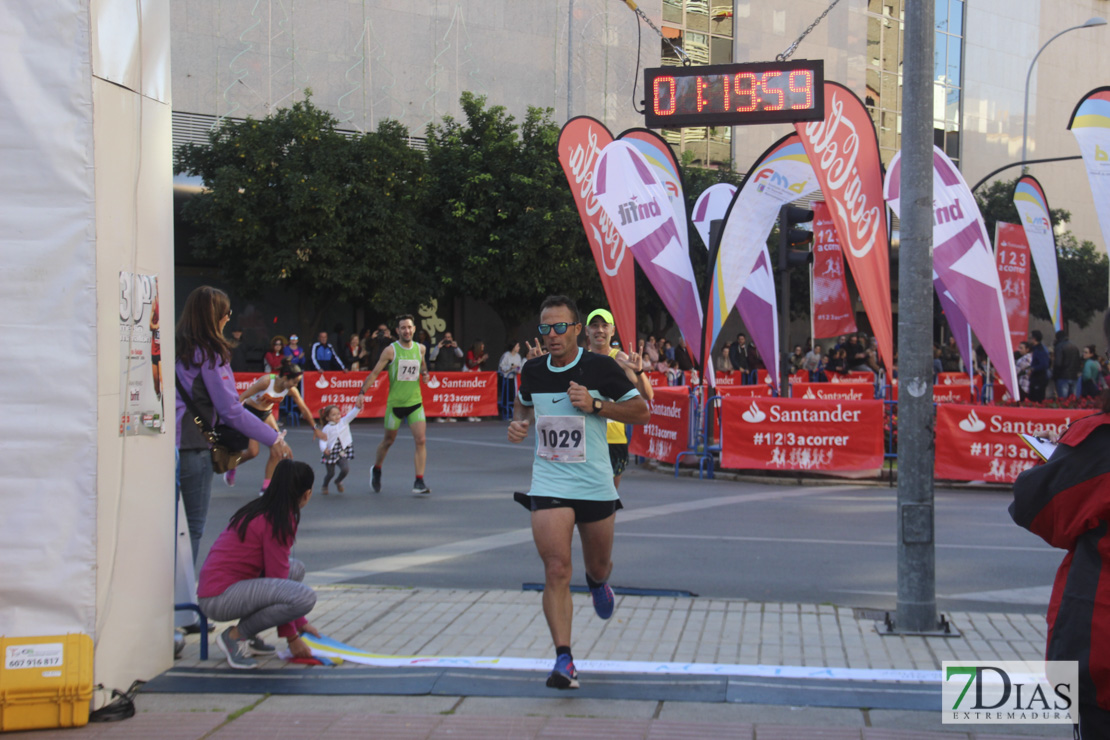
1089, 23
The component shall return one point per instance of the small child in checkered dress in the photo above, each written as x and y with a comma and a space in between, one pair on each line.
339, 447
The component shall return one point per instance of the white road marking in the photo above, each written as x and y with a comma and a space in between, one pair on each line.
849, 543
1038, 595
450, 550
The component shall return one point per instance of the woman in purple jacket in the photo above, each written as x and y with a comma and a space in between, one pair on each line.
204, 370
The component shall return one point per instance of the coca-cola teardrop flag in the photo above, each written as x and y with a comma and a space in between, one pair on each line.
580, 144
1032, 206
742, 270
1012, 252
831, 306
1090, 122
637, 204
660, 156
844, 152
711, 206
963, 261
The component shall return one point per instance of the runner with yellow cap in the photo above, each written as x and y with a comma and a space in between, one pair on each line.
600, 329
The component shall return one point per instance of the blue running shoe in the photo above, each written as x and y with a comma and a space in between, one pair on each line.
564, 676
603, 600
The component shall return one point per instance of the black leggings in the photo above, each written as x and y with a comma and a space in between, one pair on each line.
344, 468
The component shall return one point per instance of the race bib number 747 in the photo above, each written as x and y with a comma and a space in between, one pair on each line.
562, 438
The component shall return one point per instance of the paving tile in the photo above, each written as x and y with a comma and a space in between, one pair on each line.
167, 726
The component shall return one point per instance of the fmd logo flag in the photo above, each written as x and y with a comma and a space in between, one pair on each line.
1009, 692
1090, 122
1032, 207
742, 270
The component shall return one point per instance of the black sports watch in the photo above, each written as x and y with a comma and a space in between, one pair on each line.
597, 406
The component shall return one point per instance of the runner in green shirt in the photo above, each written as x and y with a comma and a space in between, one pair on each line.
405, 360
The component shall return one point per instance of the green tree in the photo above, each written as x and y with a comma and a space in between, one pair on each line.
504, 216
1081, 269
290, 203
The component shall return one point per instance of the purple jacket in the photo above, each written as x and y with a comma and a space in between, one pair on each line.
212, 390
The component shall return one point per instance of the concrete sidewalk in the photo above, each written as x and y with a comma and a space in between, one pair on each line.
432, 622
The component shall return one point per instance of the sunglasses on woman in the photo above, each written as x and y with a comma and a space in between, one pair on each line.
560, 328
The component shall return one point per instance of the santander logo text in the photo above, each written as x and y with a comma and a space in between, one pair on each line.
836, 145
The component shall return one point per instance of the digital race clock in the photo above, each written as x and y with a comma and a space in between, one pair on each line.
735, 94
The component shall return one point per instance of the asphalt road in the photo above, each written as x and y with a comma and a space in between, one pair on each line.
792, 543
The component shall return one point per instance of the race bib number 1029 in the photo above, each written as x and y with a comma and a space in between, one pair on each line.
561, 438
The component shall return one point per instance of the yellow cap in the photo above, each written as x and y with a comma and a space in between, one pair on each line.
599, 312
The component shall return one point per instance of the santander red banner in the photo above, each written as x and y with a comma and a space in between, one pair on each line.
844, 153
797, 434
832, 308
668, 432
461, 394
580, 143
981, 443
854, 376
445, 394
245, 380
759, 391
341, 389
1012, 255
942, 393
833, 391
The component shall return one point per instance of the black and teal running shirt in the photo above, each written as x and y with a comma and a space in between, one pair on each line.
571, 452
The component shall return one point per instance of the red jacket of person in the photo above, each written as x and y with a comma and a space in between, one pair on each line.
1066, 502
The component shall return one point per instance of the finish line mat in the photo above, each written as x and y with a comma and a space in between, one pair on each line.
524, 677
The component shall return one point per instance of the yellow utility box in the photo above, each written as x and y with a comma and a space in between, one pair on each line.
45, 681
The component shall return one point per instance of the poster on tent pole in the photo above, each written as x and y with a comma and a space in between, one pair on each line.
140, 383
1012, 254
831, 306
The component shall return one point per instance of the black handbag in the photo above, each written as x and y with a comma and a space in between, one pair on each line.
224, 442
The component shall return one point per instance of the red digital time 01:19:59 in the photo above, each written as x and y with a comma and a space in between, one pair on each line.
734, 94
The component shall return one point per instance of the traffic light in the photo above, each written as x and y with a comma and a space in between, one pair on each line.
794, 250
794, 244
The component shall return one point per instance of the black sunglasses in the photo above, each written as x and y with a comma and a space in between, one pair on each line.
560, 328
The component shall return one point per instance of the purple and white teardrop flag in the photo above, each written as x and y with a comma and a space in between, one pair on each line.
963, 260
637, 204
660, 156
955, 318
712, 205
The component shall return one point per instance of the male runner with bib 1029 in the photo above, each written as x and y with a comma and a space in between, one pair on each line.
569, 394
407, 367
